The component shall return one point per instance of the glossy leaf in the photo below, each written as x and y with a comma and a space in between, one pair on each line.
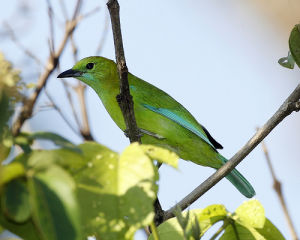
249, 222
287, 62
270, 232
251, 213
207, 217
160, 154
120, 191
25, 230
294, 44
54, 207
236, 231
11, 171
15, 201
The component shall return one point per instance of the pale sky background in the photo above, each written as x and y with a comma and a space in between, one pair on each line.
218, 58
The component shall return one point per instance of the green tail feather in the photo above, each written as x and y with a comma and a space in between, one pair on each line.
239, 181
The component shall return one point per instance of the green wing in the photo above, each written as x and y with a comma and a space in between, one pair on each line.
160, 102
182, 122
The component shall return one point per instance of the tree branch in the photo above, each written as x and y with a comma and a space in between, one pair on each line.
291, 104
278, 189
124, 98
26, 111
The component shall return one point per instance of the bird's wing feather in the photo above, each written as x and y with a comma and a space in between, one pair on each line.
158, 101
176, 118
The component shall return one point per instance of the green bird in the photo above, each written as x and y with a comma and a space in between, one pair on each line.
163, 121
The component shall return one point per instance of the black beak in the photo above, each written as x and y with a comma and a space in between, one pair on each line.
70, 73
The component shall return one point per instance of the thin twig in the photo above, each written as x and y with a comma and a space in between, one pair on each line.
80, 91
51, 27
52, 62
103, 35
64, 9
291, 104
70, 100
91, 12
20, 45
60, 112
278, 189
85, 129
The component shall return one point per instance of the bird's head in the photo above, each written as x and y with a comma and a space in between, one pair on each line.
90, 70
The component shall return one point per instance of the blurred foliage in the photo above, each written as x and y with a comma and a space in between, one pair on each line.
67, 194
9, 95
9, 90
247, 222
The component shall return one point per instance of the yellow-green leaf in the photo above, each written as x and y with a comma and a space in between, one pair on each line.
120, 190
161, 154
251, 213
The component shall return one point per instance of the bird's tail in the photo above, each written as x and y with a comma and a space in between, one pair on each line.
239, 181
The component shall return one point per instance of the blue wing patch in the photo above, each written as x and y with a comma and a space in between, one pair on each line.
174, 117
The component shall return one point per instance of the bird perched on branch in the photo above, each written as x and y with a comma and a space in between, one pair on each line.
162, 120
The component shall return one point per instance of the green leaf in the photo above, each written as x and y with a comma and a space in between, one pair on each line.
294, 43
207, 217
287, 62
120, 190
182, 220
40, 159
9, 95
249, 222
196, 231
161, 154
26, 230
251, 213
11, 171
6, 142
236, 231
55, 138
210, 215
4, 152
270, 232
54, 207
15, 201
5, 111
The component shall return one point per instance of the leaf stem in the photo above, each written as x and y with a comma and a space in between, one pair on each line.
217, 233
154, 231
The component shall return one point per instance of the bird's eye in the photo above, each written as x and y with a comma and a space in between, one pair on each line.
89, 65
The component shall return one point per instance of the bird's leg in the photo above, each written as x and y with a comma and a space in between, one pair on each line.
155, 135
143, 131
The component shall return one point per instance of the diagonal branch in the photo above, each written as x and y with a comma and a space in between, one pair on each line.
26, 111
292, 103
